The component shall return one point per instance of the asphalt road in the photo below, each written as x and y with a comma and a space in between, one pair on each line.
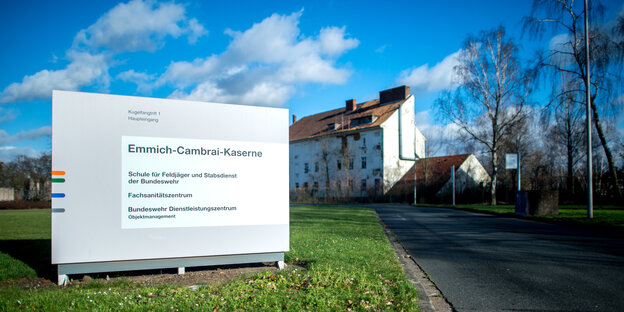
487, 263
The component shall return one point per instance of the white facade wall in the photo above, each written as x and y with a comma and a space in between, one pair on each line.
378, 145
469, 175
7, 193
412, 141
322, 156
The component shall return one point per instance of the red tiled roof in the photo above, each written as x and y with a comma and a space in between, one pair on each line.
438, 168
317, 125
432, 172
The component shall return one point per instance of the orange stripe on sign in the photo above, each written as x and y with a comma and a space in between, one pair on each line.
58, 172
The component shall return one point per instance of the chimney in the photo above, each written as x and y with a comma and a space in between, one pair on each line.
395, 94
351, 106
294, 118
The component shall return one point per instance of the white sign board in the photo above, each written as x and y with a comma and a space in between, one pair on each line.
140, 178
511, 161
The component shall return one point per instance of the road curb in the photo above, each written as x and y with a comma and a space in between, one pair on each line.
430, 299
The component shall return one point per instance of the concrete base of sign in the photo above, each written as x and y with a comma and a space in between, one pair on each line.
63, 280
181, 263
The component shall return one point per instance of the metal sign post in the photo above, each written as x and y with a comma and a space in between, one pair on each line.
512, 161
590, 195
518, 169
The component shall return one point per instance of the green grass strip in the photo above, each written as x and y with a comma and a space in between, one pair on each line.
347, 263
607, 218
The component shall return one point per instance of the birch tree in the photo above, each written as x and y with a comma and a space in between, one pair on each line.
491, 92
566, 54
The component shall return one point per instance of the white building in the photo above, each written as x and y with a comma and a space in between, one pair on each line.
434, 180
360, 150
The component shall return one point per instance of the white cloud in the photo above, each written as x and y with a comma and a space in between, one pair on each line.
144, 81
7, 115
430, 79
9, 153
139, 26
561, 43
185, 73
441, 139
274, 40
195, 30
426, 124
134, 26
29, 135
263, 93
381, 49
84, 69
333, 41
261, 64
312, 69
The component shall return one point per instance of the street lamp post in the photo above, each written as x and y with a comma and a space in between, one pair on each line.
590, 199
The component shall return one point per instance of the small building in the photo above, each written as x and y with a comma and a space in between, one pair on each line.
357, 151
433, 176
7, 193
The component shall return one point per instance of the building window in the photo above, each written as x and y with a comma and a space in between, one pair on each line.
316, 185
333, 126
316, 167
376, 171
296, 185
305, 185
363, 141
339, 164
363, 185
363, 162
377, 185
306, 168
363, 120
351, 185
351, 163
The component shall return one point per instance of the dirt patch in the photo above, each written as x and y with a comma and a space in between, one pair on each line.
24, 204
27, 282
213, 275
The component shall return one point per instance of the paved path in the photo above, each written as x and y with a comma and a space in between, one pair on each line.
488, 263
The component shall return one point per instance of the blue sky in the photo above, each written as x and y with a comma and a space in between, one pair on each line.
308, 56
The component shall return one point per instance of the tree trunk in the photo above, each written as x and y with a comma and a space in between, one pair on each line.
570, 165
494, 176
607, 151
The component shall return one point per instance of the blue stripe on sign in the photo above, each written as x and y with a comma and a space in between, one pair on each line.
58, 195
58, 210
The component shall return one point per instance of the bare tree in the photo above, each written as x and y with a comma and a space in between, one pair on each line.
28, 175
491, 93
566, 54
567, 127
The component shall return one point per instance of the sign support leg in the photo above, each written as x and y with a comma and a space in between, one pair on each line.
280, 264
63, 280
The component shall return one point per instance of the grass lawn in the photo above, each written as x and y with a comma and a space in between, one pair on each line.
607, 218
348, 265
25, 234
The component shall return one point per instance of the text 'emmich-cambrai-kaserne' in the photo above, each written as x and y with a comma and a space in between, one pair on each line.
182, 150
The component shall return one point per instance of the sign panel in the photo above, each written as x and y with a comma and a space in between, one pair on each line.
150, 178
511, 161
